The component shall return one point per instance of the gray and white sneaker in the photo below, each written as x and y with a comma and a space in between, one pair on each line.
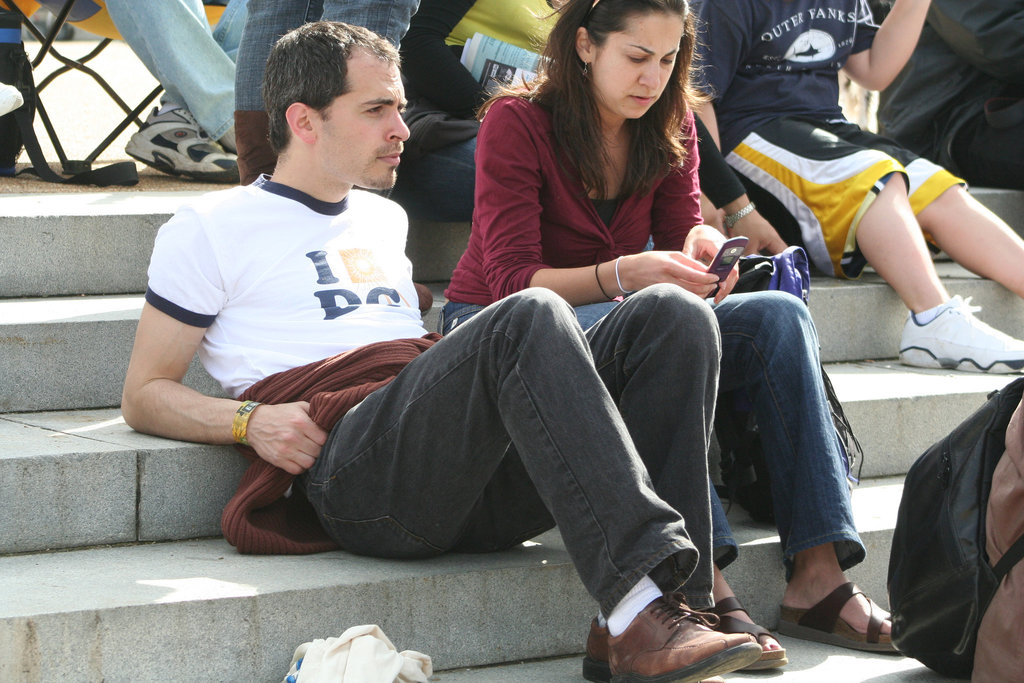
956, 340
174, 143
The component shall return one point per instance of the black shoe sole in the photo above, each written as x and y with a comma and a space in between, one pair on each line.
226, 177
723, 662
597, 671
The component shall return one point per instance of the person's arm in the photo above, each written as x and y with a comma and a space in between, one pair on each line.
682, 246
431, 67
763, 238
580, 286
154, 400
876, 67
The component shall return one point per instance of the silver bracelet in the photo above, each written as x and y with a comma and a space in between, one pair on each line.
733, 218
618, 281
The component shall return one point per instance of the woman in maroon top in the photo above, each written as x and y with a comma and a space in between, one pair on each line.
576, 179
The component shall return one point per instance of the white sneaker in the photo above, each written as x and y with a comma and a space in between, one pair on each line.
10, 99
174, 143
957, 340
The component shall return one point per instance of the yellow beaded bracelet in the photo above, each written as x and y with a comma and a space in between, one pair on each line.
240, 425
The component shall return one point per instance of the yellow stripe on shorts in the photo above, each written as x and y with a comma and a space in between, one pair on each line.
827, 197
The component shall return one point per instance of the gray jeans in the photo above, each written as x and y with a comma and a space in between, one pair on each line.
517, 421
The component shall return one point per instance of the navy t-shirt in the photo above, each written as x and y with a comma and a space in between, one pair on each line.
763, 59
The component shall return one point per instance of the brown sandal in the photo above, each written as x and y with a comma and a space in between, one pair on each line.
822, 624
770, 659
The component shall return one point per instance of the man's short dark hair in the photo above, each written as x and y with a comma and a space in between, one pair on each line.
310, 65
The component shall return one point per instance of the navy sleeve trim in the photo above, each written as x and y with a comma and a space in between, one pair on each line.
182, 315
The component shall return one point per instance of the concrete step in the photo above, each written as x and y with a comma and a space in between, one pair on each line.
82, 478
197, 610
63, 353
144, 488
808, 663
100, 242
897, 412
863, 319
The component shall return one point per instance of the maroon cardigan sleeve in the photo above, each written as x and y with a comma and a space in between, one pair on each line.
509, 180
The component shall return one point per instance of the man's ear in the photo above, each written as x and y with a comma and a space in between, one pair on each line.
302, 120
584, 46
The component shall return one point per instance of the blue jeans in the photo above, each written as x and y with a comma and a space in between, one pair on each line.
517, 421
439, 185
271, 19
194, 65
770, 348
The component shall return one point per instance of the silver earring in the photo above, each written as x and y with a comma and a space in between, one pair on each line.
586, 69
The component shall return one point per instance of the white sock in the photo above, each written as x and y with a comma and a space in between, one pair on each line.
639, 596
925, 317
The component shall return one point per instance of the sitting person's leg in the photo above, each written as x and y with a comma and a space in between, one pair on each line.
636, 345
940, 331
770, 348
845, 189
975, 237
438, 186
658, 355
520, 373
174, 40
733, 618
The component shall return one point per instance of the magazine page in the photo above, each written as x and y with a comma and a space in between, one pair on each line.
493, 62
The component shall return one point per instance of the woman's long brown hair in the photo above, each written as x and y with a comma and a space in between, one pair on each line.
564, 90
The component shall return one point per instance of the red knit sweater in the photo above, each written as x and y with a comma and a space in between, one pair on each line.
258, 518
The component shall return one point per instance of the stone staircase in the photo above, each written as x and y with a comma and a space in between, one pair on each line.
111, 565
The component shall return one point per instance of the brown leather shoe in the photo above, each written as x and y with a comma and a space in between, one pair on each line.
595, 661
670, 643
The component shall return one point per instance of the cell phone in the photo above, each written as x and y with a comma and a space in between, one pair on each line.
726, 258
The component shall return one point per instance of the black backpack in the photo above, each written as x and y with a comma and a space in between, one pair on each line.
940, 581
16, 127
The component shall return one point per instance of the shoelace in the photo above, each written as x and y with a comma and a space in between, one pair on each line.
673, 609
967, 308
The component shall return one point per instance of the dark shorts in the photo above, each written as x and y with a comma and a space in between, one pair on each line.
825, 176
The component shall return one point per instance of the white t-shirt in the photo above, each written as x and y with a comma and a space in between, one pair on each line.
281, 279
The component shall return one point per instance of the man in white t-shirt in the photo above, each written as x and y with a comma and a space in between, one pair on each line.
366, 433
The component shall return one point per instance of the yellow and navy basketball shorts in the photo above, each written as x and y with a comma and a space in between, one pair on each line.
826, 175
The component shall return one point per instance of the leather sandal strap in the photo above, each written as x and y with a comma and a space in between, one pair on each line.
824, 615
730, 604
734, 625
